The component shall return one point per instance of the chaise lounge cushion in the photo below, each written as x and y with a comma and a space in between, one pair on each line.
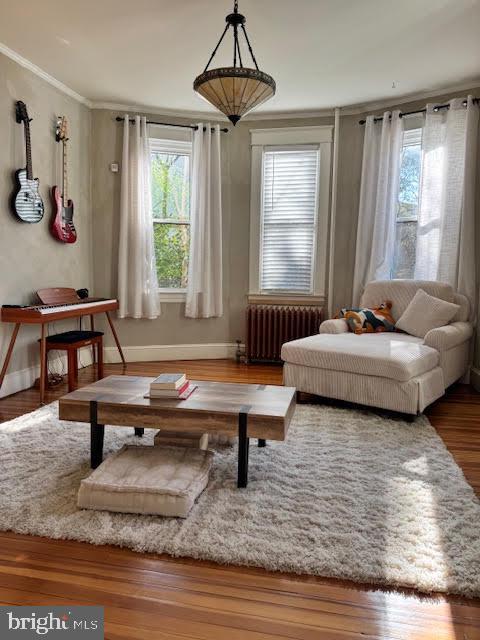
388, 355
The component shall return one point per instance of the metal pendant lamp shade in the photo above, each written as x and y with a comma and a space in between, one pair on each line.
235, 90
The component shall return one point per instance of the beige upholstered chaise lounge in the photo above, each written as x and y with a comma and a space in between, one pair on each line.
394, 371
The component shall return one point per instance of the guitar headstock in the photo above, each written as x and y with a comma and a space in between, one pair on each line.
21, 112
61, 132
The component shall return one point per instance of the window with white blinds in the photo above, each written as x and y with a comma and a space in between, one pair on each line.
289, 204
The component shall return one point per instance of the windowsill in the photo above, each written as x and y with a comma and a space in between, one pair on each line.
285, 298
172, 295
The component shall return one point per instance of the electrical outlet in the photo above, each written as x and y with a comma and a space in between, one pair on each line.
114, 167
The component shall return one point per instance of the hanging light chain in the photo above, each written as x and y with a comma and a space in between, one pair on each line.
238, 47
232, 98
249, 47
236, 43
216, 48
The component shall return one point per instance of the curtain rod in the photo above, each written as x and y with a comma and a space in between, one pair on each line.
169, 124
411, 113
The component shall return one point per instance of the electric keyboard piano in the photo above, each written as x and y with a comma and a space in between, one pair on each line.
36, 314
61, 309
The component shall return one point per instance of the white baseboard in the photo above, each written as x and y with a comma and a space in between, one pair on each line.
152, 353
25, 378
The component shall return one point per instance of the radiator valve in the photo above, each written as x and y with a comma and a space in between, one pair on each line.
239, 353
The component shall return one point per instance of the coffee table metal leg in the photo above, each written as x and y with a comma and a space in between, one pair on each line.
139, 431
243, 448
262, 442
97, 432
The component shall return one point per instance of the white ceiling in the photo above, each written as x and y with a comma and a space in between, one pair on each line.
322, 53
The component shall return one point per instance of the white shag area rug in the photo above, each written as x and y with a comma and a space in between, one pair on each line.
350, 494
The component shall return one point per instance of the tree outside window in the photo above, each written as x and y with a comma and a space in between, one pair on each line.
408, 203
170, 179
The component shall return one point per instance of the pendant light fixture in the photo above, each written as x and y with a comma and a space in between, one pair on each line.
235, 90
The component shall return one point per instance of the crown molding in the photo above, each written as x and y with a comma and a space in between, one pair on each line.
160, 111
355, 109
210, 115
23, 62
360, 109
257, 116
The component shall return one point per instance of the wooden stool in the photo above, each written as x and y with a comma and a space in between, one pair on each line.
71, 342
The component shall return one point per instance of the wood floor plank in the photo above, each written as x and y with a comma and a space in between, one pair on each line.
333, 597
194, 585
232, 602
123, 619
148, 596
156, 609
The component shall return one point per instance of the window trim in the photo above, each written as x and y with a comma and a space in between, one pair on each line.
293, 148
172, 295
183, 147
267, 139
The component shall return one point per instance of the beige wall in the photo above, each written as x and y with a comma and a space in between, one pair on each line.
348, 192
172, 327
240, 176
29, 257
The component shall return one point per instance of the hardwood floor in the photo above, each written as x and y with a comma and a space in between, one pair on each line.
148, 596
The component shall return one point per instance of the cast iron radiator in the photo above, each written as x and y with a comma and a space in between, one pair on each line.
270, 325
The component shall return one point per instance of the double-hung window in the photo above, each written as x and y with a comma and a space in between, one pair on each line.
170, 184
289, 219
289, 211
408, 204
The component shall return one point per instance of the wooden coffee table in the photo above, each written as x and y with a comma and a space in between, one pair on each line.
247, 410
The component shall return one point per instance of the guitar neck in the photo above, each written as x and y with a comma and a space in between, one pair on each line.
28, 151
65, 174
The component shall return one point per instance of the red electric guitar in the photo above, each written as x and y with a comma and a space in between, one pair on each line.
62, 227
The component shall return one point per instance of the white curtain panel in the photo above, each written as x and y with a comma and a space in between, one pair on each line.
378, 201
204, 288
137, 274
446, 223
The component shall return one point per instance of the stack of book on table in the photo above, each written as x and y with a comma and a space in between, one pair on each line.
171, 385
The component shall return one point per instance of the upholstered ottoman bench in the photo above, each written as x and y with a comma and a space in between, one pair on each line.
162, 481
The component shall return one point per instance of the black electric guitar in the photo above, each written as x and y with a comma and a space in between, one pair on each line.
27, 204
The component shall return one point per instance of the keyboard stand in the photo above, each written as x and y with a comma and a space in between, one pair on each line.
43, 321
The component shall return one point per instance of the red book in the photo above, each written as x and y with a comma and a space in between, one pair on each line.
188, 392
183, 388
170, 393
